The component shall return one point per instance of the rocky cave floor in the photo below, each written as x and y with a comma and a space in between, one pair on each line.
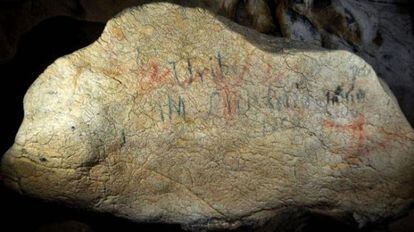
37, 49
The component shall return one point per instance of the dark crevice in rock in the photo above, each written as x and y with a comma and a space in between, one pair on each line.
241, 13
272, 6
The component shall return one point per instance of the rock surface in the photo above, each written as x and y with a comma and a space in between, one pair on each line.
381, 32
255, 13
176, 115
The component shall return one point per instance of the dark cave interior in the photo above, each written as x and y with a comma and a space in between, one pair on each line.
37, 49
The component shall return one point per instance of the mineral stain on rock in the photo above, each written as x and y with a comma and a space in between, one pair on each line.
184, 119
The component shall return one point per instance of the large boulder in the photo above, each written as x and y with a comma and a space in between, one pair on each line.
381, 32
20, 16
176, 115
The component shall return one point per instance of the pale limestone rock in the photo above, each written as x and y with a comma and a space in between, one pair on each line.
179, 116
254, 13
381, 32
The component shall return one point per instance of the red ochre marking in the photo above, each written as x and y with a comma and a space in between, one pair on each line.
394, 137
229, 88
360, 148
355, 128
357, 131
275, 78
152, 77
157, 77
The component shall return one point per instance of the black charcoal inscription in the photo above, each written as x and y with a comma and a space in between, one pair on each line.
174, 107
244, 104
190, 71
185, 81
213, 74
220, 62
123, 138
270, 94
348, 95
343, 94
201, 74
360, 94
274, 101
174, 67
161, 113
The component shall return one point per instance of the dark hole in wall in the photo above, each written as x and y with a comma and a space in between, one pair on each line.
241, 13
272, 6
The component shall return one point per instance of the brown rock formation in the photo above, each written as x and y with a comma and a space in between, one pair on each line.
190, 118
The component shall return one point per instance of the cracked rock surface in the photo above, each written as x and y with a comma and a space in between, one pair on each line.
253, 13
380, 31
177, 115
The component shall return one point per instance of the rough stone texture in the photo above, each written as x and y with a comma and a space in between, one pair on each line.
381, 32
19, 16
255, 13
176, 115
